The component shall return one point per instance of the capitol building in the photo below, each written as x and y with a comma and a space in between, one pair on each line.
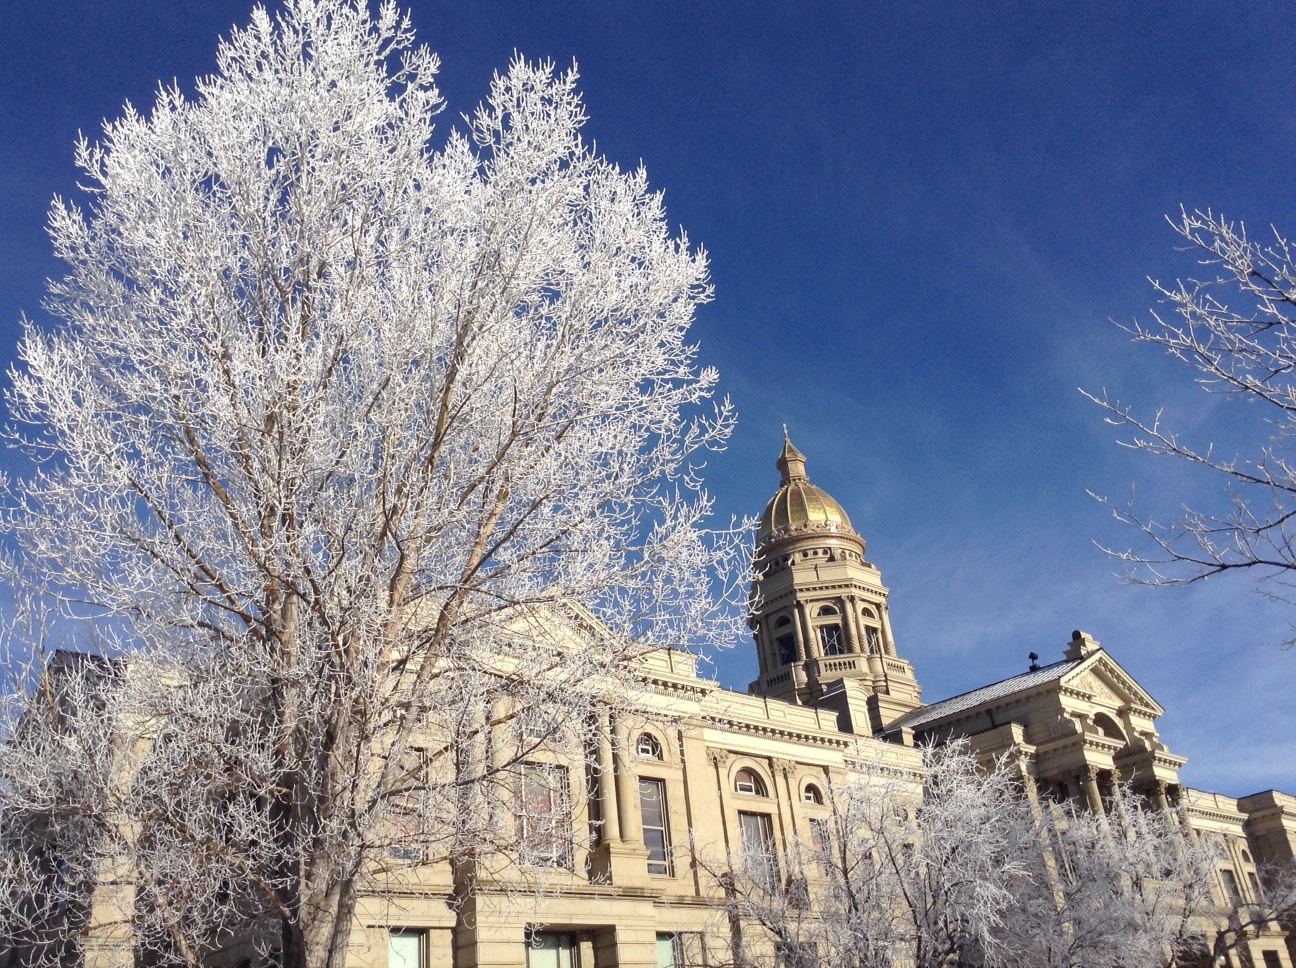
700, 767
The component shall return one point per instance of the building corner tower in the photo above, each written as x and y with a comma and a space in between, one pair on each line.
819, 610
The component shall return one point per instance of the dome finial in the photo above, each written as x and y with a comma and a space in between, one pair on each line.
791, 462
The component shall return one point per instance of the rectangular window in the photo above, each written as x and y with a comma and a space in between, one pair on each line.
547, 949
543, 815
666, 951
406, 948
1230, 884
830, 639
873, 638
757, 834
656, 834
787, 649
821, 842
683, 949
408, 806
1271, 959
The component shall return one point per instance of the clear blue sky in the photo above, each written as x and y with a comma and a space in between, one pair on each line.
921, 216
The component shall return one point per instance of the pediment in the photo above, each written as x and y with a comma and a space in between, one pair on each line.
1101, 680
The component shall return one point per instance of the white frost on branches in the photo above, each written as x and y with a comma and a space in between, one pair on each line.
963, 867
335, 421
1234, 330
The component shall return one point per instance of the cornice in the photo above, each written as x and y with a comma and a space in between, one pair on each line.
773, 732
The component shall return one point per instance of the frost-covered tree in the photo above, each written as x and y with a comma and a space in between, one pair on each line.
344, 437
1233, 327
1130, 886
963, 867
899, 870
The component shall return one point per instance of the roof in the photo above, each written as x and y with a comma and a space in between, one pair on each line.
963, 702
798, 503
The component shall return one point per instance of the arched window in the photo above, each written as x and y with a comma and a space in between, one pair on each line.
1107, 726
812, 794
746, 781
826, 610
648, 747
872, 632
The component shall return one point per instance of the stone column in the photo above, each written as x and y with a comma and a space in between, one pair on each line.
781, 769
807, 634
851, 629
1089, 781
888, 640
1159, 795
607, 793
627, 786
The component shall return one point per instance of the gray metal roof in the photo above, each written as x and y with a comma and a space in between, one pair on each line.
963, 702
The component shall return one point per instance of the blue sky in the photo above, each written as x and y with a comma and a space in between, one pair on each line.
921, 218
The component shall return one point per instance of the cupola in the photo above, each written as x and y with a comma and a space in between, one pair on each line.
819, 609
799, 509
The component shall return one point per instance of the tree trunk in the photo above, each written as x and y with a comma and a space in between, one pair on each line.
319, 935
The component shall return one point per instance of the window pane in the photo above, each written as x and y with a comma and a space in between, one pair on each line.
757, 836
543, 816
787, 649
830, 638
665, 951
1230, 884
873, 638
405, 949
652, 812
546, 949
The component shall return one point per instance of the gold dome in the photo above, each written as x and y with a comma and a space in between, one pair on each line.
799, 505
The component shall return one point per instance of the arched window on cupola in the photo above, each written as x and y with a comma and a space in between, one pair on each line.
872, 631
828, 628
785, 640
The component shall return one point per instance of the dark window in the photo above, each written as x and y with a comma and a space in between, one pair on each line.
830, 639
656, 833
408, 806
812, 794
787, 649
1230, 884
873, 638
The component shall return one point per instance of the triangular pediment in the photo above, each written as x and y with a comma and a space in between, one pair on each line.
1101, 680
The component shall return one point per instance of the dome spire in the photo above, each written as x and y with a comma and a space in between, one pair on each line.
791, 462
799, 510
